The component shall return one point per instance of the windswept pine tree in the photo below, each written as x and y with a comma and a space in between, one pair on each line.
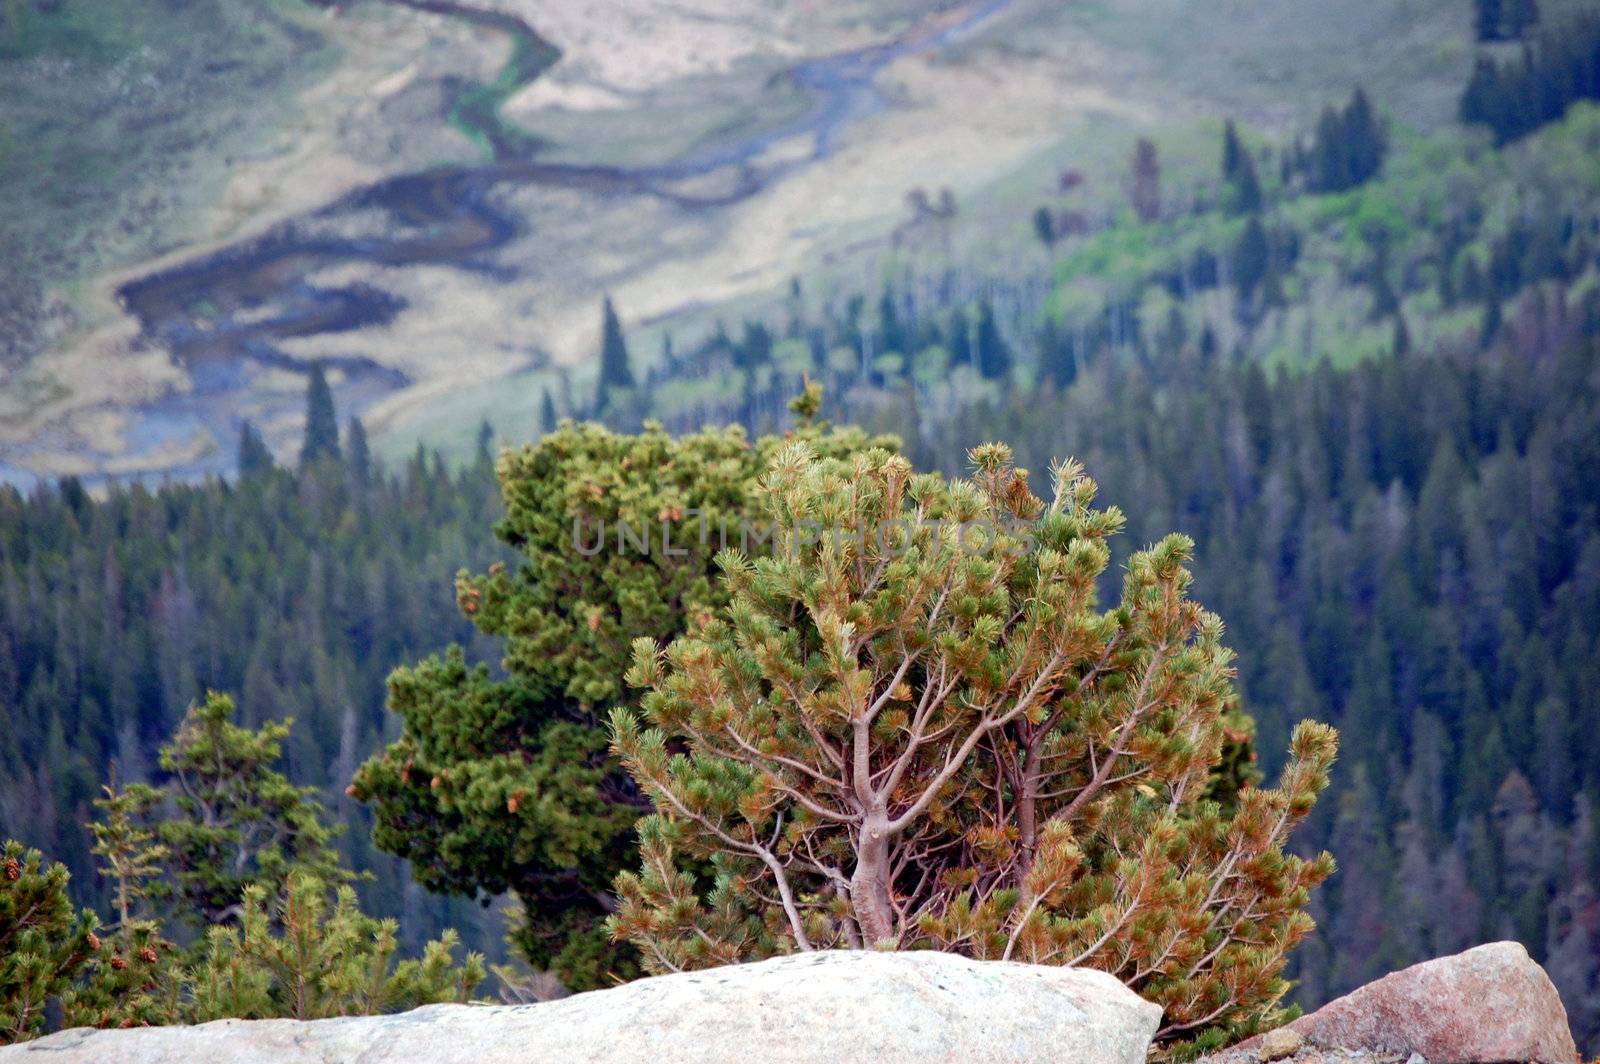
912, 727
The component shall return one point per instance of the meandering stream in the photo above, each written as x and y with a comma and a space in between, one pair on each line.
224, 316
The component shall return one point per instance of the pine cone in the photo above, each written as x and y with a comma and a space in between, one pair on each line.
13, 869
118, 963
94, 942
148, 955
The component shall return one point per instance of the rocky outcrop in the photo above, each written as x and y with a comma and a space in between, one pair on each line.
813, 1008
1488, 1005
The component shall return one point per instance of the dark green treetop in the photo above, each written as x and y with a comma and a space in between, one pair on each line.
322, 423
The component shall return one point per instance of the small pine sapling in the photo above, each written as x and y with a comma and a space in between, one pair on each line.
301, 959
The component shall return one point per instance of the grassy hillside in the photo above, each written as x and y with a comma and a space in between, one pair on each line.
119, 123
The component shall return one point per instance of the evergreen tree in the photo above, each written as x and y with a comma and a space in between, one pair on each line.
993, 355
960, 338
1044, 227
1239, 173
360, 453
891, 334
136, 979
549, 420
1233, 152
901, 736
1252, 259
1488, 19
44, 940
1146, 181
1490, 328
1521, 16
1330, 154
616, 369
485, 450
298, 959
1246, 188
240, 822
322, 423
1401, 344
254, 455
130, 857
1364, 139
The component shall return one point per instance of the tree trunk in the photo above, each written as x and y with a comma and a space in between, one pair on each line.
1027, 791
869, 886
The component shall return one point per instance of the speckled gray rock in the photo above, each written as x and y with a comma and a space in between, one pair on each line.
814, 1007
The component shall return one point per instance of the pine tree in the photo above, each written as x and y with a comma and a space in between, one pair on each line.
1490, 328
1239, 173
1252, 258
137, 978
616, 370
1233, 153
960, 338
500, 785
360, 453
993, 356
549, 420
1488, 19
1521, 16
322, 423
296, 958
254, 455
44, 941
1330, 154
485, 450
1247, 188
903, 733
130, 857
1364, 139
1044, 227
241, 821
891, 333
1401, 344
1146, 181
